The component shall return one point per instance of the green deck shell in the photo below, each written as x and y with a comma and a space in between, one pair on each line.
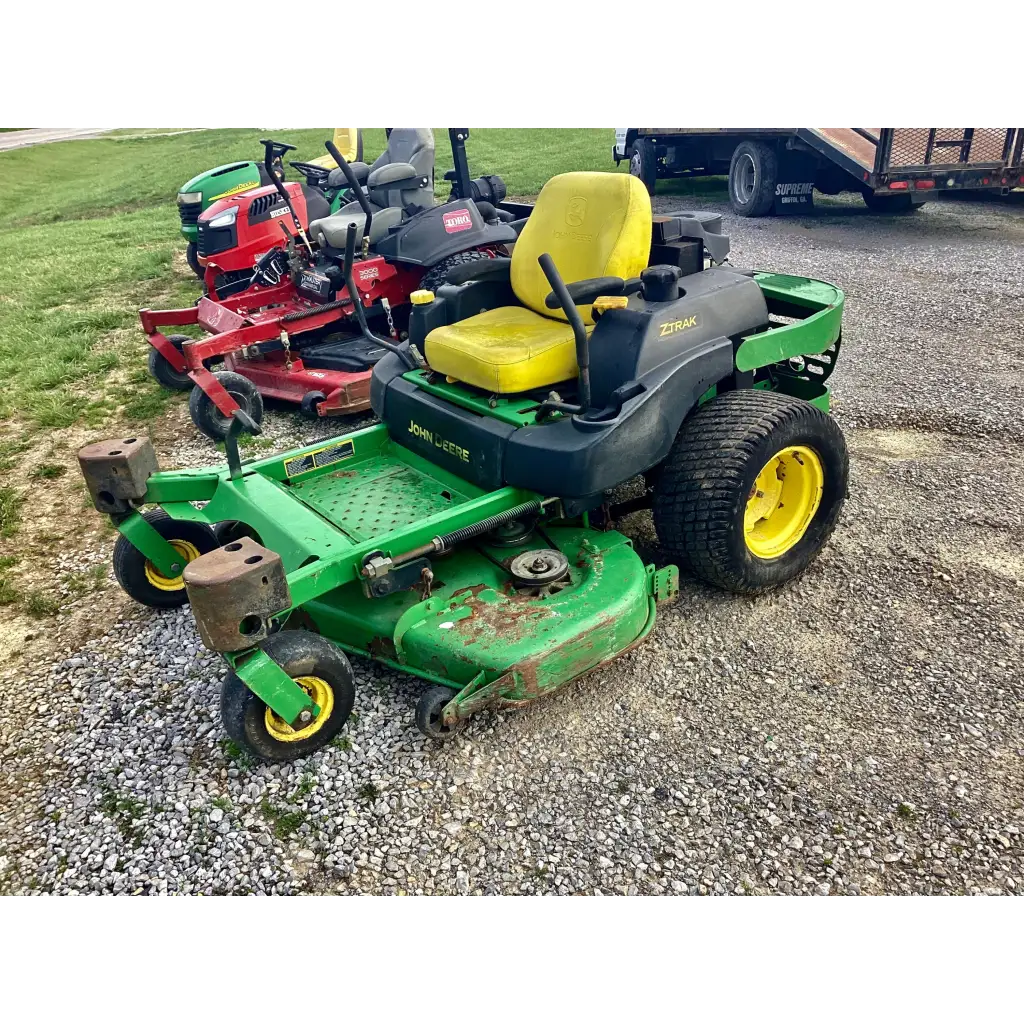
819, 307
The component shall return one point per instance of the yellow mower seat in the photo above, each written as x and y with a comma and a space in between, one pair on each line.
594, 224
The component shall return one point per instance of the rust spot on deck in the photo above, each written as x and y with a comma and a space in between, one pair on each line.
383, 647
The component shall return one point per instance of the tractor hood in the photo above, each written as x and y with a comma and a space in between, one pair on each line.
226, 180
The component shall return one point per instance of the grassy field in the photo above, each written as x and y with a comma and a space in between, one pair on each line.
88, 234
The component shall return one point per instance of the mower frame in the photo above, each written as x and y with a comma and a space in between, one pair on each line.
304, 506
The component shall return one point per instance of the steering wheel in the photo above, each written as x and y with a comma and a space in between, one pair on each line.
309, 170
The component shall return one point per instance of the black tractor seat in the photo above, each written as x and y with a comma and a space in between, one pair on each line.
317, 204
349, 355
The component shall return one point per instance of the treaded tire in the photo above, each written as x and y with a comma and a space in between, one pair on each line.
706, 480
209, 419
164, 373
192, 256
130, 564
299, 653
436, 275
765, 177
643, 163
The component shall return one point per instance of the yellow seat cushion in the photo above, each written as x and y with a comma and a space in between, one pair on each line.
593, 224
504, 350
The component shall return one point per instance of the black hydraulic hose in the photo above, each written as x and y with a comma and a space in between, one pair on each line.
547, 264
364, 202
403, 353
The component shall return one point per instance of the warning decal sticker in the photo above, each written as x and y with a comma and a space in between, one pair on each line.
326, 456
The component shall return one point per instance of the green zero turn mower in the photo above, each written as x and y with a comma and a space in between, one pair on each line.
469, 538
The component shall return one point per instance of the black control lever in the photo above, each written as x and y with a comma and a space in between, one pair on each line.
241, 423
406, 353
361, 197
579, 331
271, 150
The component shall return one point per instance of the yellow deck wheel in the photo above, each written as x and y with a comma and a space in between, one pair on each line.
783, 501
321, 692
188, 552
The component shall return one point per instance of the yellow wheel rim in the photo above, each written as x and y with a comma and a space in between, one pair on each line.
321, 692
783, 501
188, 552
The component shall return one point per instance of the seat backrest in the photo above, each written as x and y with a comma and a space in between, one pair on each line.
593, 223
408, 146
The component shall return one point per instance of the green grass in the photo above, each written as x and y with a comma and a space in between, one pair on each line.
11, 501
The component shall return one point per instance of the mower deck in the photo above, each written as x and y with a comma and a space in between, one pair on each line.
325, 508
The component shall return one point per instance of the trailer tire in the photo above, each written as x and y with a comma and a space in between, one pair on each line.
140, 580
165, 374
643, 163
890, 204
209, 419
751, 489
321, 669
192, 257
753, 175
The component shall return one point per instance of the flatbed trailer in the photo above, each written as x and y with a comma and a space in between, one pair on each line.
777, 170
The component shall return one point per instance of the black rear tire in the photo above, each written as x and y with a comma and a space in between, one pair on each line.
209, 419
192, 256
164, 373
713, 472
249, 722
643, 163
437, 274
138, 578
753, 175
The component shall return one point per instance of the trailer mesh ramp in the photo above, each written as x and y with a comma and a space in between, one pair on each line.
949, 147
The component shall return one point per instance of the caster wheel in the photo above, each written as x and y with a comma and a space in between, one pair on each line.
320, 669
310, 404
164, 373
428, 714
210, 420
141, 580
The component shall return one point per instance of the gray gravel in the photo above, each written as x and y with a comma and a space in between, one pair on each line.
858, 731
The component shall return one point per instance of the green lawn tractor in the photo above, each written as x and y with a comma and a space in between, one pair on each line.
200, 192
468, 539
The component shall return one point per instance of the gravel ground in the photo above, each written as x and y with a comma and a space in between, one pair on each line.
859, 731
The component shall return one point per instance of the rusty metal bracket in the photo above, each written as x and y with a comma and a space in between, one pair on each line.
664, 584
117, 471
476, 695
235, 591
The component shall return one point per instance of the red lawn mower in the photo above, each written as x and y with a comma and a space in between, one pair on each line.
277, 309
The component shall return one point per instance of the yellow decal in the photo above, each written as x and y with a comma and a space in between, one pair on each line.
234, 191
319, 458
674, 326
438, 442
